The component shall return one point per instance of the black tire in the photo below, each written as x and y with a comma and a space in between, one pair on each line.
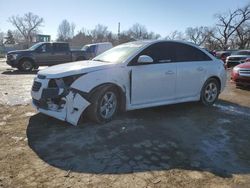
26, 65
36, 67
97, 100
210, 92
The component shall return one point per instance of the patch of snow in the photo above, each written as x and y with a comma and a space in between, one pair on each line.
231, 109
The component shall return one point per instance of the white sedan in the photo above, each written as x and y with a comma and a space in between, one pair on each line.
130, 76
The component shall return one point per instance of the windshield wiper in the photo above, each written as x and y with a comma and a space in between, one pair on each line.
101, 60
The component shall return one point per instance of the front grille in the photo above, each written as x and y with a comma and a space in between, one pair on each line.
36, 102
234, 58
52, 83
36, 86
244, 72
40, 103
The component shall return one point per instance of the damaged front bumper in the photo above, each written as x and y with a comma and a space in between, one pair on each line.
54, 101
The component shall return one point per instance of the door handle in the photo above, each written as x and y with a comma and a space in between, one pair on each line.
200, 69
169, 72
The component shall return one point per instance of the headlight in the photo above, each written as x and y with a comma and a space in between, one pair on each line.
14, 56
236, 69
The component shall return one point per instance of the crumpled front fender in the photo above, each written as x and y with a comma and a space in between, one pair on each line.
73, 108
75, 105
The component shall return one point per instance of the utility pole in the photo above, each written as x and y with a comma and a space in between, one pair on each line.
119, 27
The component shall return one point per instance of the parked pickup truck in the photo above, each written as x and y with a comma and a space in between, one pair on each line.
43, 54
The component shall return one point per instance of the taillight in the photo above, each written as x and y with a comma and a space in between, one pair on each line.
247, 60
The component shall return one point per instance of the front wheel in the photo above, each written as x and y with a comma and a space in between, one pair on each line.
104, 105
210, 92
25, 65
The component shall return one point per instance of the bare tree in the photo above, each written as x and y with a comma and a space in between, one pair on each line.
17, 36
100, 33
125, 37
211, 43
65, 31
27, 25
81, 38
152, 35
242, 36
175, 35
139, 32
9, 38
229, 23
1, 37
197, 35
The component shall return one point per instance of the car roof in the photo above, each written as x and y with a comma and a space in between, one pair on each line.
53, 42
149, 42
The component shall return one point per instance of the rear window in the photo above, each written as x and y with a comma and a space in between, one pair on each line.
186, 52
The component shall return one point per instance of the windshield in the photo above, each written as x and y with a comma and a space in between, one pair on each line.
119, 53
35, 46
84, 48
242, 53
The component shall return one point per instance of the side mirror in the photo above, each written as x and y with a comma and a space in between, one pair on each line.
145, 59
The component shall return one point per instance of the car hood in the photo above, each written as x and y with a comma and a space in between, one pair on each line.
18, 51
244, 65
69, 69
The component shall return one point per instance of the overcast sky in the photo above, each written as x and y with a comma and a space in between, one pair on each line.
160, 16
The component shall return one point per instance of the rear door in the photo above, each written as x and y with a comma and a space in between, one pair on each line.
192, 66
61, 53
154, 82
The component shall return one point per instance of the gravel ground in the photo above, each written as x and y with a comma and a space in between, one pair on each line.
184, 145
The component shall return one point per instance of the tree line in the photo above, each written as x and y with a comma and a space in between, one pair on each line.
230, 31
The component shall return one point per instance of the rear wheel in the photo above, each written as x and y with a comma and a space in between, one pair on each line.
210, 92
25, 65
104, 105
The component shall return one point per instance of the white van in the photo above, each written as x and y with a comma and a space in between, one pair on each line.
92, 50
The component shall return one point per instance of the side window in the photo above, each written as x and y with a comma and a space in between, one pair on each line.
161, 52
92, 49
60, 47
186, 52
45, 48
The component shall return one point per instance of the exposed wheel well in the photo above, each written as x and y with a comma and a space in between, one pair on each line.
122, 95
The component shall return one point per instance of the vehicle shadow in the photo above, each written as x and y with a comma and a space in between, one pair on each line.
16, 72
184, 136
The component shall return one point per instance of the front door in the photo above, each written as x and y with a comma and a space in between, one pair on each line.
154, 82
43, 54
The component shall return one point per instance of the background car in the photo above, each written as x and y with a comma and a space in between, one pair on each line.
92, 50
240, 74
247, 60
43, 54
237, 57
223, 55
47, 54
